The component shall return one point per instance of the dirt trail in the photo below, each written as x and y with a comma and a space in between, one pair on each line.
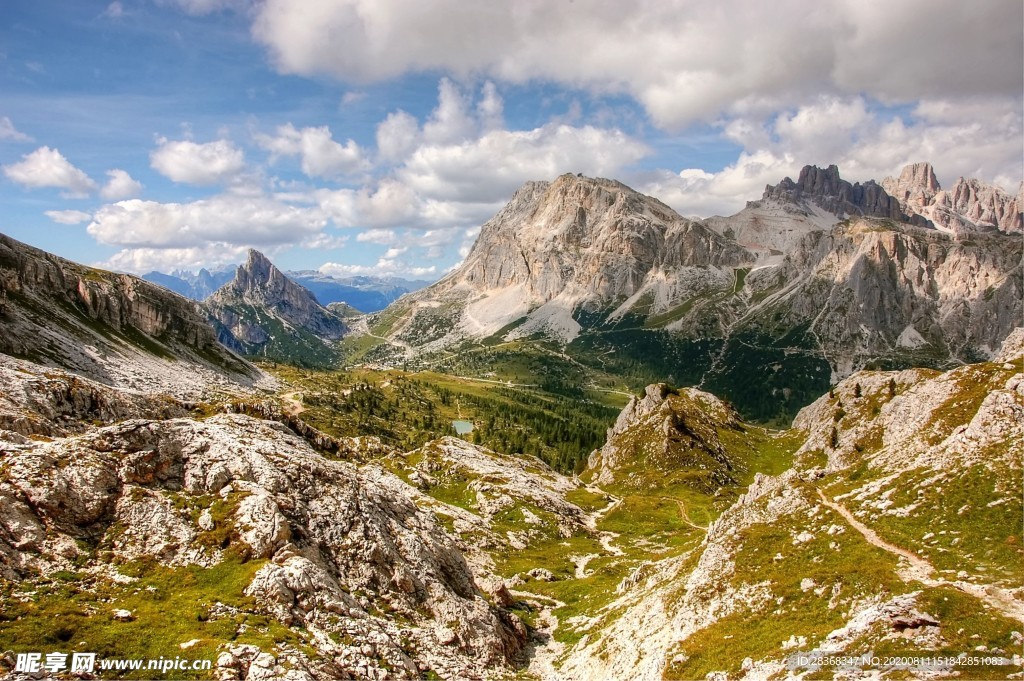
685, 516
293, 403
921, 570
543, 650
605, 536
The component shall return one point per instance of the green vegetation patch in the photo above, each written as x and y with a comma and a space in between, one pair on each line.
169, 606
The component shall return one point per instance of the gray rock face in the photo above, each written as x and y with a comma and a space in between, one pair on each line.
870, 292
589, 234
109, 327
263, 312
825, 188
351, 556
557, 248
914, 188
969, 206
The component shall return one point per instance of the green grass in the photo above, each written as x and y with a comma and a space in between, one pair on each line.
857, 567
170, 606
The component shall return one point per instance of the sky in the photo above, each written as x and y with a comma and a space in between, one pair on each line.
376, 136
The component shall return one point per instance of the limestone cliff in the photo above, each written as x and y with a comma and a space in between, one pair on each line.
114, 328
969, 206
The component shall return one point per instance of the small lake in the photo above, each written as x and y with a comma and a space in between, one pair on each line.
463, 427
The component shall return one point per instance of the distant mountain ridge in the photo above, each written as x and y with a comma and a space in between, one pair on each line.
114, 328
364, 293
195, 285
969, 206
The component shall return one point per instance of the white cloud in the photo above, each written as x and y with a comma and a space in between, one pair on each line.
68, 217
144, 260
384, 267
866, 144
114, 10
46, 167
320, 155
194, 163
683, 61
121, 185
385, 237
351, 97
227, 218
450, 122
491, 167
204, 7
397, 136
9, 132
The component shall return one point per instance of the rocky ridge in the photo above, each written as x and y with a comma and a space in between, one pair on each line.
863, 531
341, 550
969, 206
847, 274
113, 328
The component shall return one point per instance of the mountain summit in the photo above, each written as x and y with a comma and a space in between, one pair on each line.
969, 206
263, 312
818, 278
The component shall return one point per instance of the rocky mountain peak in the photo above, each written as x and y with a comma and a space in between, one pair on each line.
825, 188
916, 177
260, 279
261, 307
970, 205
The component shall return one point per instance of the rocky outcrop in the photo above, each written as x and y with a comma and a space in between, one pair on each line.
969, 206
665, 434
914, 188
263, 312
55, 403
114, 328
825, 188
873, 291
346, 554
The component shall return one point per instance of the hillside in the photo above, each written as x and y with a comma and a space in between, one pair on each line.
114, 328
315, 540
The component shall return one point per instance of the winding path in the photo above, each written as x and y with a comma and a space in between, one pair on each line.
684, 515
921, 570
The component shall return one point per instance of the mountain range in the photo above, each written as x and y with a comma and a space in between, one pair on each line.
363, 293
163, 497
815, 280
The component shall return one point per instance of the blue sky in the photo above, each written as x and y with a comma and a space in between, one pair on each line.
375, 136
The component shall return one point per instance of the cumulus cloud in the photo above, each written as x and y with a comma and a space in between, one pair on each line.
68, 217
228, 218
691, 65
144, 260
320, 155
10, 133
121, 185
46, 167
384, 267
194, 163
491, 167
397, 136
865, 142
385, 237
